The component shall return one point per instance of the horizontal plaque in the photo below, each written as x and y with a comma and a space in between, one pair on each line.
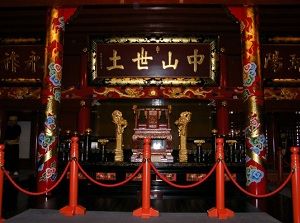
153, 61
280, 59
22, 61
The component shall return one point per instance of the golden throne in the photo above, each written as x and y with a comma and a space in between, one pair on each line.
153, 123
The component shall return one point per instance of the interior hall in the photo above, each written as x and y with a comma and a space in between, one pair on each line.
189, 89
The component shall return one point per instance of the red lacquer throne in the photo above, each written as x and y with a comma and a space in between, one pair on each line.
153, 123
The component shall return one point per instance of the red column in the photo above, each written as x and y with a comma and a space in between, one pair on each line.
83, 78
223, 69
84, 118
256, 174
223, 119
51, 95
279, 166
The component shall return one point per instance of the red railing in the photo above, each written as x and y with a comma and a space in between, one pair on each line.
145, 211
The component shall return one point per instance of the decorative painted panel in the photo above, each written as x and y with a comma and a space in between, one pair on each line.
195, 176
169, 176
138, 177
105, 176
80, 176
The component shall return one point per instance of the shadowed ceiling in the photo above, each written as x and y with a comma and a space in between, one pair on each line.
275, 20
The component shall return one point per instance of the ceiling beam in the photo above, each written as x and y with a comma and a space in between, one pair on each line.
75, 3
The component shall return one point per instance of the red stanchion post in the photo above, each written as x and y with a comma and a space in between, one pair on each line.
1, 179
146, 211
220, 211
295, 165
73, 208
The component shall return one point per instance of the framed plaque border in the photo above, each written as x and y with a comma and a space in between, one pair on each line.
281, 82
21, 41
96, 80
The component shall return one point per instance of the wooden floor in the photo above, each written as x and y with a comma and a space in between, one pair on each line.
14, 202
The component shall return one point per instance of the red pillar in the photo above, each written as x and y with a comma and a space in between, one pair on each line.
223, 69
83, 72
51, 95
279, 166
256, 174
223, 119
84, 118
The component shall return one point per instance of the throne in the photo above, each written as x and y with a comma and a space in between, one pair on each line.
153, 123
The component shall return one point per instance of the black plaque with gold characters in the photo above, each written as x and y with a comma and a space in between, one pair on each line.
21, 61
154, 61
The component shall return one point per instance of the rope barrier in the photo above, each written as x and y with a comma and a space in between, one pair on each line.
146, 211
182, 186
109, 185
35, 193
254, 195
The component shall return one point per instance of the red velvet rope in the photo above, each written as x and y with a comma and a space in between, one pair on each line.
254, 195
109, 185
183, 186
36, 193
158, 173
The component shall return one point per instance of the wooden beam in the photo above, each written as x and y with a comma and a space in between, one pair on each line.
75, 3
